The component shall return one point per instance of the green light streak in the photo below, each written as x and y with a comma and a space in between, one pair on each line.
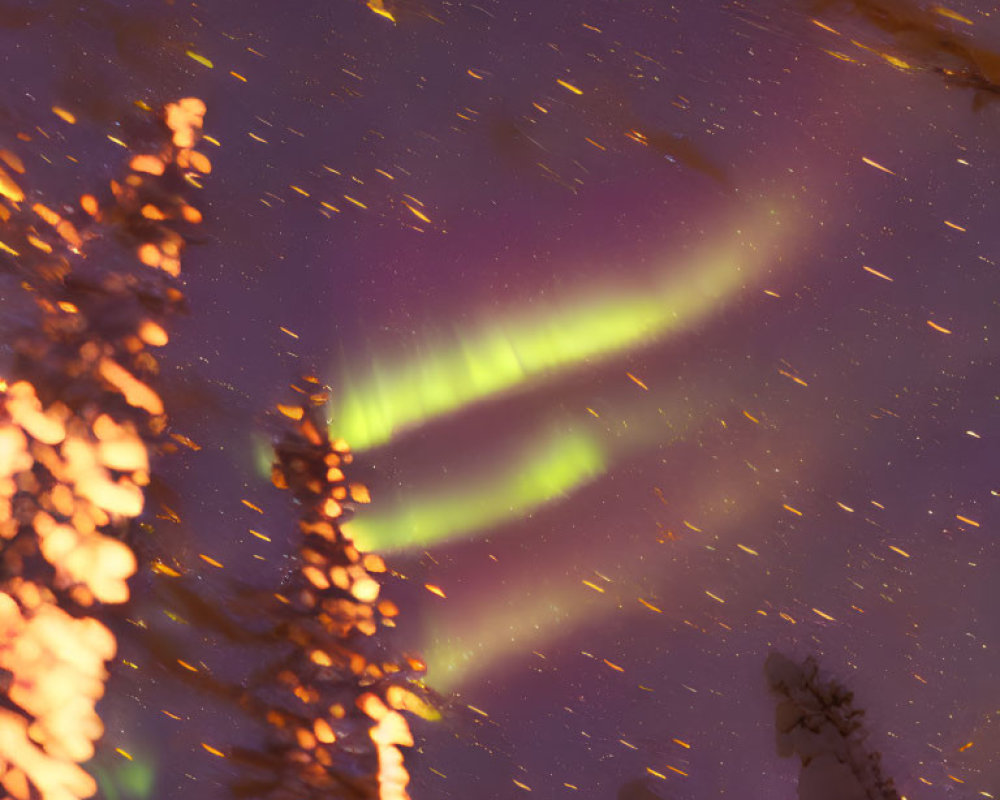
563, 458
442, 374
263, 455
124, 780
470, 644
548, 471
537, 610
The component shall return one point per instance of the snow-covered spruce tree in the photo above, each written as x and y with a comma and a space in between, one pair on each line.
333, 702
79, 418
818, 721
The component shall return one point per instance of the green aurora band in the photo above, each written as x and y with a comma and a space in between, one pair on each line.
569, 455
547, 472
409, 388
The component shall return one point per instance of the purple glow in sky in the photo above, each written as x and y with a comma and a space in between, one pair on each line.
805, 461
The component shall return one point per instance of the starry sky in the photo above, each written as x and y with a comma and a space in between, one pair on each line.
664, 333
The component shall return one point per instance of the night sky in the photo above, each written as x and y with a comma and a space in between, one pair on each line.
664, 333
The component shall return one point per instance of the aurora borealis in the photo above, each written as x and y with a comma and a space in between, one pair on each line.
664, 335
517, 348
555, 468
